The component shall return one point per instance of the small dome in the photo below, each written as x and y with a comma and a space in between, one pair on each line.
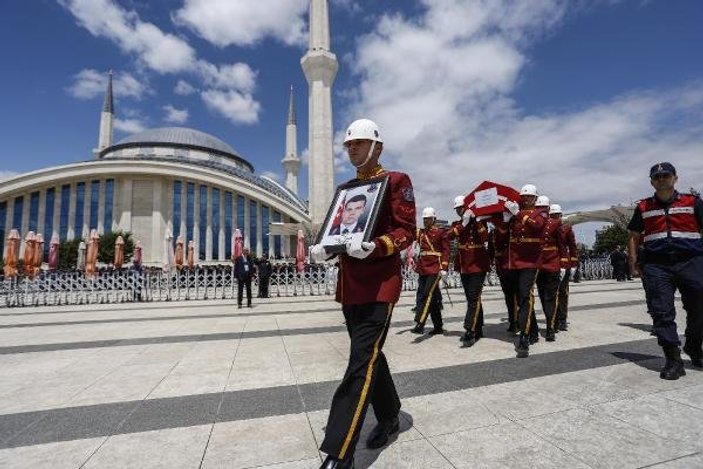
179, 136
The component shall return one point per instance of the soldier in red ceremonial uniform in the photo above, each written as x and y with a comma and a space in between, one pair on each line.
431, 266
669, 225
567, 233
553, 263
524, 248
472, 262
498, 246
368, 287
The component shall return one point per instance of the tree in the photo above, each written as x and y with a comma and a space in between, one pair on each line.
106, 251
609, 238
68, 254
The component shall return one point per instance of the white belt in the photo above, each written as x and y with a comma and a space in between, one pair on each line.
674, 234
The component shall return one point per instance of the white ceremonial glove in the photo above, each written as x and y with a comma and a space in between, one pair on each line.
562, 273
443, 274
512, 207
573, 272
360, 249
466, 217
318, 253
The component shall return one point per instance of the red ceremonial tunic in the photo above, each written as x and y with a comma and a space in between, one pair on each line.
555, 254
501, 240
377, 278
434, 251
568, 234
525, 243
472, 255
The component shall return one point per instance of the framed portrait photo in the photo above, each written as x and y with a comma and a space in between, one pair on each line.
353, 213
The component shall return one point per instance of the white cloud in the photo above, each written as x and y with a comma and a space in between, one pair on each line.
175, 116
4, 174
450, 75
184, 88
90, 83
129, 126
161, 52
237, 76
227, 22
239, 108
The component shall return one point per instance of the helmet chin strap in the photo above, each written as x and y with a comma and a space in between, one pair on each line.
368, 157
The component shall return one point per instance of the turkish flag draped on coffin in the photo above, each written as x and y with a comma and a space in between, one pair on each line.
487, 200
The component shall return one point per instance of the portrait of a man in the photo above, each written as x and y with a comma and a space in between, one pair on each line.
352, 220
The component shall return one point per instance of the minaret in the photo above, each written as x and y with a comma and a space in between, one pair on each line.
291, 162
320, 67
106, 118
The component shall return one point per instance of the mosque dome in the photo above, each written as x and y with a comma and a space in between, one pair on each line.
179, 142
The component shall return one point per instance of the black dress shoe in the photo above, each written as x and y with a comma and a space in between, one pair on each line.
418, 329
563, 326
381, 432
534, 338
470, 339
333, 463
551, 336
512, 328
437, 330
522, 347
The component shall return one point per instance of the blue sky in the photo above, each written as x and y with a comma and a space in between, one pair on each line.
578, 97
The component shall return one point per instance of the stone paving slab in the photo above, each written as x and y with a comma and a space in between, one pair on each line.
206, 385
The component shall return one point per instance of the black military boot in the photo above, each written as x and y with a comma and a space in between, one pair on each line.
563, 326
551, 336
470, 339
418, 329
522, 346
437, 331
333, 463
673, 368
512, 328
696, 356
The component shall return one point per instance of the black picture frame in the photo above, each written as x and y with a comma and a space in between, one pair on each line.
346, 207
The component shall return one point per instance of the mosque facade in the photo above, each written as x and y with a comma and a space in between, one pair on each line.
178, 181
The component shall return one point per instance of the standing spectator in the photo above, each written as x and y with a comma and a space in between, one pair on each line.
264, 270
243, 270
618, 260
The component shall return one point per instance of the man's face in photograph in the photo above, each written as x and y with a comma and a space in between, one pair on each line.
352, 212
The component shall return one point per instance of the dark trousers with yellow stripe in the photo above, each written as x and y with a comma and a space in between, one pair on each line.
509, 294
429, 301
522, 282
473, 285
366, 381
548, 288
563, 304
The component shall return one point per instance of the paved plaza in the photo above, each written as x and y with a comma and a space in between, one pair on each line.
207, 385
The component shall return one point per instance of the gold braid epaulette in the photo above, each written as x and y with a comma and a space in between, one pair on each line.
388, 243
372, 173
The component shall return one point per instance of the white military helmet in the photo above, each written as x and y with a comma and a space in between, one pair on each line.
528, 189
363, 129
458, 201
428, 212
555, 208
542, 201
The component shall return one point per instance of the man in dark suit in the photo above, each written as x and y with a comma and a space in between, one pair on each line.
351, 222
243, 270
263, 272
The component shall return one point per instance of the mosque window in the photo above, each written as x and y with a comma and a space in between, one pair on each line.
190, 211
240, 213
80, 208
177, 187
48, 217
17, 213
34, 211
228, 225
202, 223
277, 239
265, 229
109, 203
65, 210
94, 204
253, 216
215, 216
3, 219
